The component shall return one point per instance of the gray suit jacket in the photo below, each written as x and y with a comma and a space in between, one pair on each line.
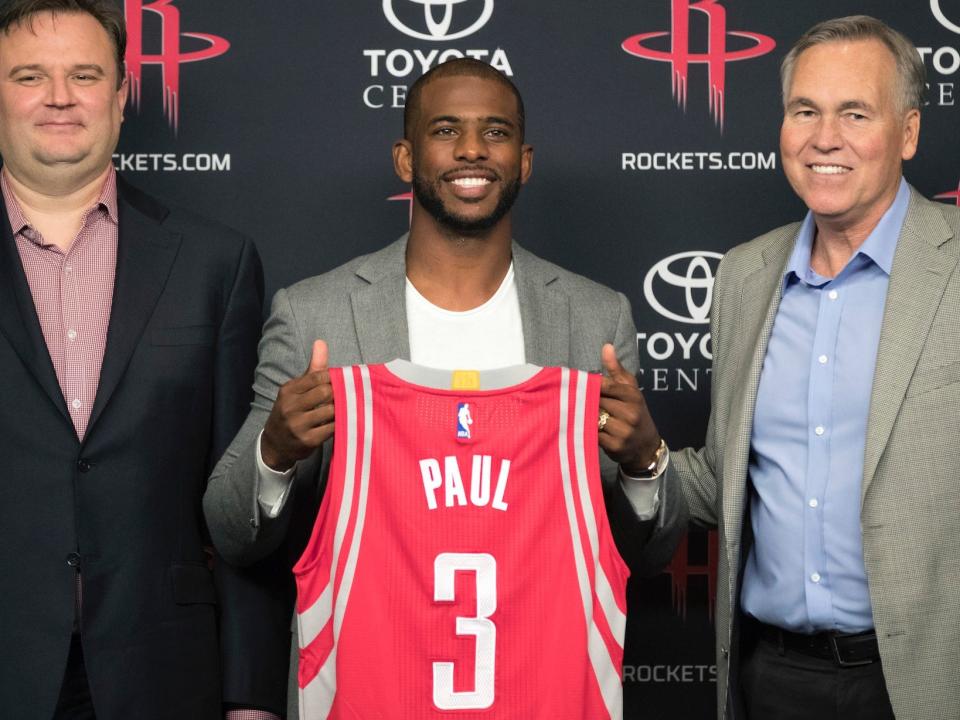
359, 310
910, 500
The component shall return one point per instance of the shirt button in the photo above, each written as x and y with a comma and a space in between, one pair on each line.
822, 359
76, 403
71, 335
813, 502
818, 429
815, 577
832, 294
68, 269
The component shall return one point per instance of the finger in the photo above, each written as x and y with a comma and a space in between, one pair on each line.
621, 390
319, 435
616, 371
627, 413
307, 422
316, 396
318, 357
614, 437
308, 381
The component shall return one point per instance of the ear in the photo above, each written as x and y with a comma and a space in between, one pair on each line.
123, 95
403, 160
526, 163
911, 134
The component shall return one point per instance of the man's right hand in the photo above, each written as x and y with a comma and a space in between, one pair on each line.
302, 416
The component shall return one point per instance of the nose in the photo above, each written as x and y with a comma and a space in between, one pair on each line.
471, 145
59, 92
827, 135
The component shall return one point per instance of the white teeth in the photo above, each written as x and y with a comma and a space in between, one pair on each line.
829, 169
471, 182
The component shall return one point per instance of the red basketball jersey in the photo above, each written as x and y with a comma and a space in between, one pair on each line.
461, 565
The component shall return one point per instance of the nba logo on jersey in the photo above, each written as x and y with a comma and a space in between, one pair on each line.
464, 421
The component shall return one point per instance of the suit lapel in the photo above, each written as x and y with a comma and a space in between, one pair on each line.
380, 308
145, 255
918, 278
544, 311
19, 322
760, 298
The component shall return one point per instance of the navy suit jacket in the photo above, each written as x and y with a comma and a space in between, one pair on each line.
181, 348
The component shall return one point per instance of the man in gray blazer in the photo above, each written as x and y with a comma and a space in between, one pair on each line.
455, 292
832, 459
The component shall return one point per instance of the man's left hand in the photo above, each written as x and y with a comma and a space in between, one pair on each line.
629, 435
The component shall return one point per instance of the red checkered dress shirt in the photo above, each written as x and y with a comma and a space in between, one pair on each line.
73, 293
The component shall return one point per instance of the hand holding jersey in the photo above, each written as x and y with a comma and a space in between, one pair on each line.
629, 435
302, 416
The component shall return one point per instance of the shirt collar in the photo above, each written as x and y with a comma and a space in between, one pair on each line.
880, 245
106, 200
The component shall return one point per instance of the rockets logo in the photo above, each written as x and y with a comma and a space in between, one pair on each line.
952, 195
171, 56
716, 58
681, 570
406, 197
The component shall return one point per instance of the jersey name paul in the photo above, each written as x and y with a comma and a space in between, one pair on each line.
443, 482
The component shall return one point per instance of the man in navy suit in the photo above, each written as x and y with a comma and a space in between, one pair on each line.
127, 338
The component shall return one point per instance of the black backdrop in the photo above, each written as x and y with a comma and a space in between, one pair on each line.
279, 121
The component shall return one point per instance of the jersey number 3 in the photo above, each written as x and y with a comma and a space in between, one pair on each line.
484, 566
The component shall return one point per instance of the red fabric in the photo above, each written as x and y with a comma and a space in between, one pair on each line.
525, 534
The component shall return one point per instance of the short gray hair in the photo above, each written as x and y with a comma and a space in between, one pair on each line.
911, 75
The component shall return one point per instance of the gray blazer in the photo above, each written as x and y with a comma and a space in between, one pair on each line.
359, 309
910, 499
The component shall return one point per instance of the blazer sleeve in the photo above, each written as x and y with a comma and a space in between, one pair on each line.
240, 532
254, 603
692, 473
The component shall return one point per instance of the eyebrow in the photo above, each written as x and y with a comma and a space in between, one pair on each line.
35, 66
855, 105
488, 120
800, 102
846, 105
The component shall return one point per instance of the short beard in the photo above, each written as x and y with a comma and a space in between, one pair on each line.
428, 197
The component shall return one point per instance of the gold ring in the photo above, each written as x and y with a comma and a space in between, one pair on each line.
602, 422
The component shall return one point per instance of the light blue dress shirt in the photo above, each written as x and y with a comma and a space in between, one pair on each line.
805, 571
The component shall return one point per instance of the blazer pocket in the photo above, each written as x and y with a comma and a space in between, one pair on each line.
192, 583
934, 379
185, 335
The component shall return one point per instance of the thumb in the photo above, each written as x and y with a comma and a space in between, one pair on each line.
319, 356
612, 366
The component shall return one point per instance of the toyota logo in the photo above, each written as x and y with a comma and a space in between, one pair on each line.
690, 272
941, 18
437, 30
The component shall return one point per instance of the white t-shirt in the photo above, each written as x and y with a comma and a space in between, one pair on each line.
486, 337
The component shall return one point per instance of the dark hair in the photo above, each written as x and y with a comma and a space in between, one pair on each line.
459, 67
105, 12
910, 80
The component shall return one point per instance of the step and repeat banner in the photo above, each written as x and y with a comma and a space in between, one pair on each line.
655, 125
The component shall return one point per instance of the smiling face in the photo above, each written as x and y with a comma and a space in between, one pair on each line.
60, 106
465, 156
844, 138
